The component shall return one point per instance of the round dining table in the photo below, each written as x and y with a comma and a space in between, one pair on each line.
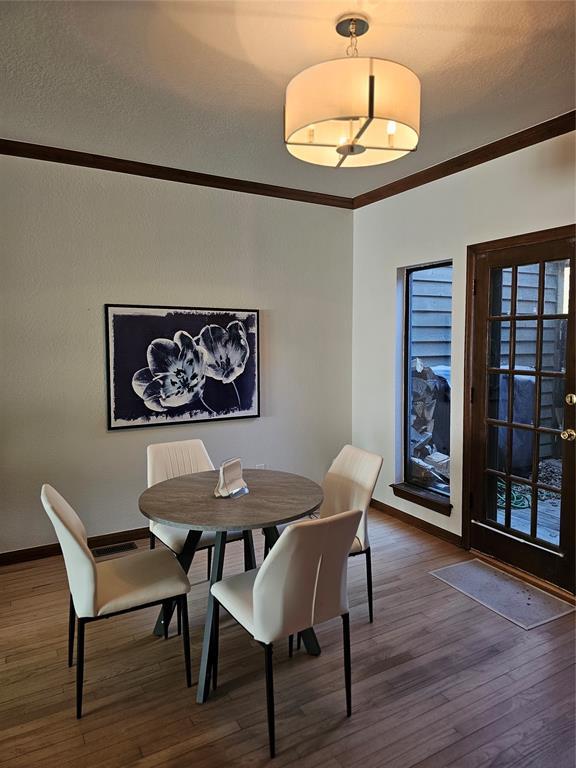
188, 502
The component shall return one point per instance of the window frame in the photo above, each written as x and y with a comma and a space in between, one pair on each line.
408, 489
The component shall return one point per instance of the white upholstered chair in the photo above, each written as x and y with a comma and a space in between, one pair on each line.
302, 582
112, 587
167, 460
349, 484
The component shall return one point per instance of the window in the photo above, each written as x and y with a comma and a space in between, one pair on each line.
427, 378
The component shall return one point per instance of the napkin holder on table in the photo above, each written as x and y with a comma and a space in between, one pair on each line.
230, 482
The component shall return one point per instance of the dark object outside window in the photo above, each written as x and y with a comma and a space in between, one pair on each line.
427, 377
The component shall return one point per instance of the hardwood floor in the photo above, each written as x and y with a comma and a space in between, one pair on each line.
438, 680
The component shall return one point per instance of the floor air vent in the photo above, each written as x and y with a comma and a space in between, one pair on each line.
113, 549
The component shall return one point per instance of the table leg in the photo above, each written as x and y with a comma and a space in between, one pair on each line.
185, 559
249, 555
311, 642
206, 658
308, 635
271, 536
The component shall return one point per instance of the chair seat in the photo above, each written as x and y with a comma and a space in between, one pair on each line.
356, 547
174, 538
145, 577
282, 526
235, 594
208, 538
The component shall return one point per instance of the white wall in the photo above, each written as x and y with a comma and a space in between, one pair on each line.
523, 192
73, 239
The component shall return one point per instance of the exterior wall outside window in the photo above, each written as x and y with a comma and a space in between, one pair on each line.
428, 377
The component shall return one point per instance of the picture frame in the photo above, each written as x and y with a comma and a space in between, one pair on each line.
180, 365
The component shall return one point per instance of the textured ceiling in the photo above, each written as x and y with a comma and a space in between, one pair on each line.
200, 85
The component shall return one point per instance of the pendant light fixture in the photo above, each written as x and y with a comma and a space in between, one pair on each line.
354, 111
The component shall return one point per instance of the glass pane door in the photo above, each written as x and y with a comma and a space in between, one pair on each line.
526, 386
523, 419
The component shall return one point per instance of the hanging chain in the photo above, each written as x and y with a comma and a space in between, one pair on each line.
352, 49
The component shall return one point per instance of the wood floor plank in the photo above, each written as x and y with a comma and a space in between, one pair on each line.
438, 679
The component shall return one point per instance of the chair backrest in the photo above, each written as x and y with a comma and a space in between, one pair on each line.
303, 581
167, 460
349, 484
78, 559
184, 457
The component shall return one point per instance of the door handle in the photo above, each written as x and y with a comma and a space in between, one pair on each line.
571, 399
568, 434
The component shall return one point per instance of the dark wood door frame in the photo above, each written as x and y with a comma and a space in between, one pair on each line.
475, 252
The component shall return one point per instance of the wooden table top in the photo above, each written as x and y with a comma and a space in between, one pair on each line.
188, 501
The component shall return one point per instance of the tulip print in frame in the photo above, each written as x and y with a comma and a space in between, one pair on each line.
176, 365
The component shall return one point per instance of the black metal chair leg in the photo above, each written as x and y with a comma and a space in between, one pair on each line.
71, 630
152, 540
179, 617
369, 584
165, 618
215, 641
347, 662
80, 667
185, 559
208, 562
270, 699
291, 646
183, 603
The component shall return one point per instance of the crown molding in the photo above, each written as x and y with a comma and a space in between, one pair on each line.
526, 138
557, 126
166, 173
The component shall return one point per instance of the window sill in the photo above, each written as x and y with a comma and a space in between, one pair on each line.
424, 498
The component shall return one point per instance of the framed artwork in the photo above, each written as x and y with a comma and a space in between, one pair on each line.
177, 365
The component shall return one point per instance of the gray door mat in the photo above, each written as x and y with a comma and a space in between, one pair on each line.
512, 598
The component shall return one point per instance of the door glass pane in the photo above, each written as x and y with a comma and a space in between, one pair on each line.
499, 347
550, 460
522, 445
497, 448
498, 396
548, 516
525, 345
527, 289
520, 507
495, 489
554, 334
556, 287
500, 290
552, 393
524, 403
